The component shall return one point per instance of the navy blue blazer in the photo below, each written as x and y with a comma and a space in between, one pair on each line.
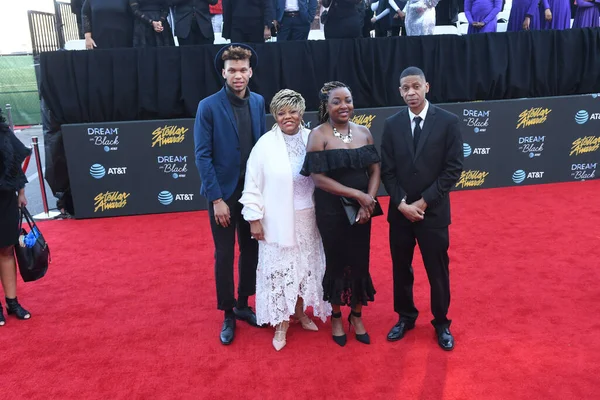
217, 144
306, 8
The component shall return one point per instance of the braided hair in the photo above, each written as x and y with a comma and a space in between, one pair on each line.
324, 98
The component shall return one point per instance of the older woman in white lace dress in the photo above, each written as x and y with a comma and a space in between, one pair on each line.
278, 203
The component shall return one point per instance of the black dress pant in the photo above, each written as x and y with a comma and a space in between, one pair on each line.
224, 239
195, 37
247, 30
433, 243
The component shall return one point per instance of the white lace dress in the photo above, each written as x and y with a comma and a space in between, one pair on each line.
286, 273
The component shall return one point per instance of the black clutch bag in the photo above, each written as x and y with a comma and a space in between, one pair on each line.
351, 207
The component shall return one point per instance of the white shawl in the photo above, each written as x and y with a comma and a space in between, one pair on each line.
269, 189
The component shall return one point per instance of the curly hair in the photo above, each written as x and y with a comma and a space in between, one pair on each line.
287, 98
236, 53
324, 98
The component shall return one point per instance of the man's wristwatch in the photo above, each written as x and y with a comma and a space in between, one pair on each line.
403, 200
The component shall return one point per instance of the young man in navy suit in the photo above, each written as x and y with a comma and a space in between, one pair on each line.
228, 124
294, 18
421, 161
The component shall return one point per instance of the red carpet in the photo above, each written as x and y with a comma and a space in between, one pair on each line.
127, 311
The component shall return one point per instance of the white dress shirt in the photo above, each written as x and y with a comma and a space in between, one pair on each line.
291, 5
422, 114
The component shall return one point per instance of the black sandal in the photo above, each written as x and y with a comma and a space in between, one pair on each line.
14, 308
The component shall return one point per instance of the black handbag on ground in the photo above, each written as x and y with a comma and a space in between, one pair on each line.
32, 252
352, 207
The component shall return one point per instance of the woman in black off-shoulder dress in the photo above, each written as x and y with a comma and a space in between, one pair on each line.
343, 161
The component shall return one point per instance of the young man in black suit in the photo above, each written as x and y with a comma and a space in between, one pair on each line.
422, 159
193, 25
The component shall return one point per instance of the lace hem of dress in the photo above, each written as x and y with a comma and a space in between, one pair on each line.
348, 292
328, 160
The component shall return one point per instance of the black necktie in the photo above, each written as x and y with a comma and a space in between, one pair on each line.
417, 131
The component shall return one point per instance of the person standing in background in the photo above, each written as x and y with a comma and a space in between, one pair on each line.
107, 24
193, 24
294, 18
482, 15
216, 16
248, 21
561, 15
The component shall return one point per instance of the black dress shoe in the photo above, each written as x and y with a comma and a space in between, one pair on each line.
246, 314
228, 330
398, 331
445, 339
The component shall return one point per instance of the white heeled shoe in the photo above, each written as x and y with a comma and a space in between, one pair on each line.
307, 323
279, 340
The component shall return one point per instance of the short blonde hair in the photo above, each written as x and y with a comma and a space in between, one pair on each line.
287, 98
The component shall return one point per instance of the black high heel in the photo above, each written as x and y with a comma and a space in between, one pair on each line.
341, 340
364, 338
14, 308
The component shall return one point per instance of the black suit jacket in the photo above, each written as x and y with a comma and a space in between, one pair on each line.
184, 11
268, 7
430, 173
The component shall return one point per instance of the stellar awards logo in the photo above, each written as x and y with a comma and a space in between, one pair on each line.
472, 178
168, 134
533, 116
110, 200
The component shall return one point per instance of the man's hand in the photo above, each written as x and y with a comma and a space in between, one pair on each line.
157, 25
401, 14
222, 215
256, 230
267, 33
420, 204
411, 212
276, 25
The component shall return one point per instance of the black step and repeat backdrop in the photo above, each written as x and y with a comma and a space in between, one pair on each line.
145, 167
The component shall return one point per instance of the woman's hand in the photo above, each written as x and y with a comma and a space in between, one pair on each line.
548, 15
256, 230
366, 201
363, 216
89, 42
526, 23
22, 200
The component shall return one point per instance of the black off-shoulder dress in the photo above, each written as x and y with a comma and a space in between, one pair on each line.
347, 280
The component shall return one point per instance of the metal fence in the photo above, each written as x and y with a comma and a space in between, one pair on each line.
19, 88
44, 35
66, 22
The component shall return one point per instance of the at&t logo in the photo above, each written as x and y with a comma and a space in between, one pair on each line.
584, 171
98, 171
533, 146
477, 119
582, 116
467, 150
176, 166
107, 138
519, 175
166, 198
